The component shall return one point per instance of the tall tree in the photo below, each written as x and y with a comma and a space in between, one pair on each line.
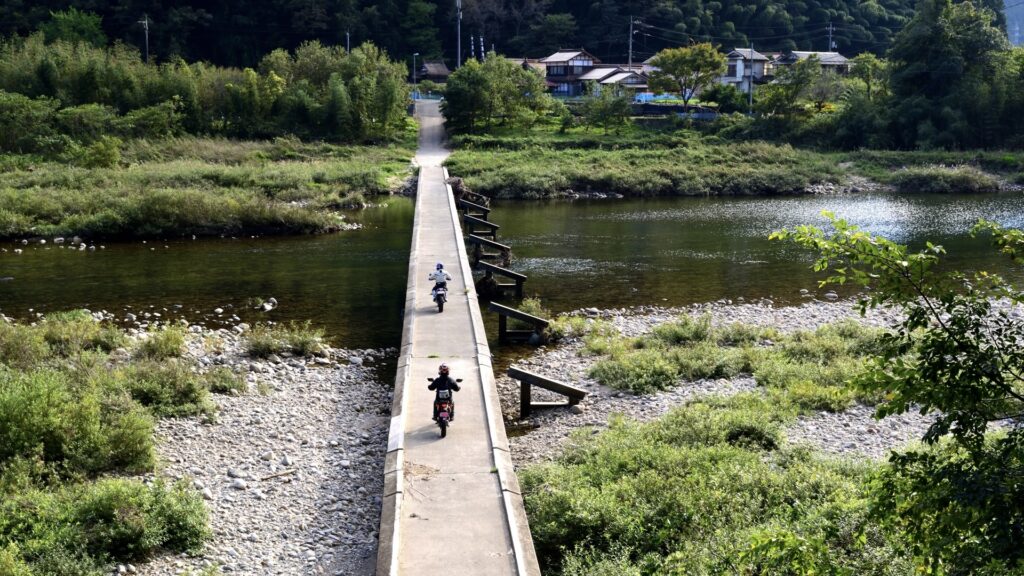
687, 69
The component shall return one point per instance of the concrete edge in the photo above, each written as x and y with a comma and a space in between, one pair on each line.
515, 510
389, 537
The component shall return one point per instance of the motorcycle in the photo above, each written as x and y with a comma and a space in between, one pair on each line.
440, 297
444, 405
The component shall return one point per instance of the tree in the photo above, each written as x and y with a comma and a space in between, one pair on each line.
791, 84
728, 97
869, 69
956, 354
824, 88
495, 90
607, 108
552, 32
74, 26
687, 69
419, 31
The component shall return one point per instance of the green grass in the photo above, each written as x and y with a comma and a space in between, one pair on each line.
69, 417
709, 489
692, 167
298, 338
162, 343
192, 186
936, 180
811, 370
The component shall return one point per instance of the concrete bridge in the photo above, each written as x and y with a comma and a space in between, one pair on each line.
452, 505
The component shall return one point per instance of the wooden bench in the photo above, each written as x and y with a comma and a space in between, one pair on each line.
519, 279
528, 379
478, 227
504, 252
506, 335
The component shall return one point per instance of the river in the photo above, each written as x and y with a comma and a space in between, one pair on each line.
602, 253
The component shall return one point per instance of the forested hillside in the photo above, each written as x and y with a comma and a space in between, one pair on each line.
239, 32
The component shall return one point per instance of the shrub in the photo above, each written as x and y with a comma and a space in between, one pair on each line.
105, 152
640, 372
580, 326
223, 380
960, 180
706, 360
160, 344
686, 329
71, 425
295, 337
21, 347
69, 333
167, 388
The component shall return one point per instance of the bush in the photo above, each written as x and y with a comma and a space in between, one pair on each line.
105, 152
961, 180
640, 372
296, 338
167, 388
71, 425
222, 380
78, 529
21, 347
69, 333
160, 344
685, 330
693, 492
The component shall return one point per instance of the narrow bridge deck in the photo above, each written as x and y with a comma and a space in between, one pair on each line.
451, 506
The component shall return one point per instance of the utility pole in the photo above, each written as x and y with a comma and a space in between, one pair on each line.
145, 26
348, 42
458, 34
830, 29
750, 84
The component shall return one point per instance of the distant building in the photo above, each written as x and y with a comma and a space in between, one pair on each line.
829, 60
564, 68
746, 67
530, 64
435, 71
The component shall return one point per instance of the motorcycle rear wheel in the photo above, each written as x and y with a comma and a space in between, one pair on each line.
444, 428
440, 306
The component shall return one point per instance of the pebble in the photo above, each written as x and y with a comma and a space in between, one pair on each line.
279, 525
845, 433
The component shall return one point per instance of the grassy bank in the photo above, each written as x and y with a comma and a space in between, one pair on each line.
663, 161
190, 186
78, 404
713, 487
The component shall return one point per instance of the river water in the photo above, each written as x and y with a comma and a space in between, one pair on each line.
602, 253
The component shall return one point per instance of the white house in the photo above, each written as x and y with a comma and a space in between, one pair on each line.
745, 68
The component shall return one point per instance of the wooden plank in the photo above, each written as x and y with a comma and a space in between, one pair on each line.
547, 383
524, 399
518, 315
474, 239
466, 204
550, 404
502, 271
472, 221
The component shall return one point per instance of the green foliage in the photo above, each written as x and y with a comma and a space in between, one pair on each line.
189, 186
960, 180
162, 343
955, 354
315, 92
729, 98
296, 338
222, 380
21, 347
686, 70
77, 529
691, 168
74, 26
169, 388
495, 91
607, 109
684, 330
640, 372
70, 333
705, 490
105, 152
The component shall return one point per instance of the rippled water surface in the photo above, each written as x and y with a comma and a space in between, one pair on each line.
679, 251
606, 253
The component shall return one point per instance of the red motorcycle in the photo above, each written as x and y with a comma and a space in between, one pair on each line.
444, 407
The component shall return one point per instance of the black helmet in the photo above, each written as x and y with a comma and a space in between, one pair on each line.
439, 266
442, 369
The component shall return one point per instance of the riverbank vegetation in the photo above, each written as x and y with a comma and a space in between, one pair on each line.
713, 486
197, 186
77, 413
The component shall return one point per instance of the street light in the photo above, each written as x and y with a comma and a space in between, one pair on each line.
414, 55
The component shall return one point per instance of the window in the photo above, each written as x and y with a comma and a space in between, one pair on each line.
731, 72
556, 70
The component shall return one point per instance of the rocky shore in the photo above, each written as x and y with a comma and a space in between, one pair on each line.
291, 470
853, 432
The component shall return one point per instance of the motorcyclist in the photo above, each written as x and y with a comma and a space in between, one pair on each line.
444, 385
440, 277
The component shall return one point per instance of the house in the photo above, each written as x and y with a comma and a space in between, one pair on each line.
563, 71
530, 64
829, 60
745, 67
435, 71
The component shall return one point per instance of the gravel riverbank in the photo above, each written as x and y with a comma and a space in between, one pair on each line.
853, 432
291, 470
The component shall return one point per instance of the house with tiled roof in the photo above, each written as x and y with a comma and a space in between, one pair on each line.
744, 68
